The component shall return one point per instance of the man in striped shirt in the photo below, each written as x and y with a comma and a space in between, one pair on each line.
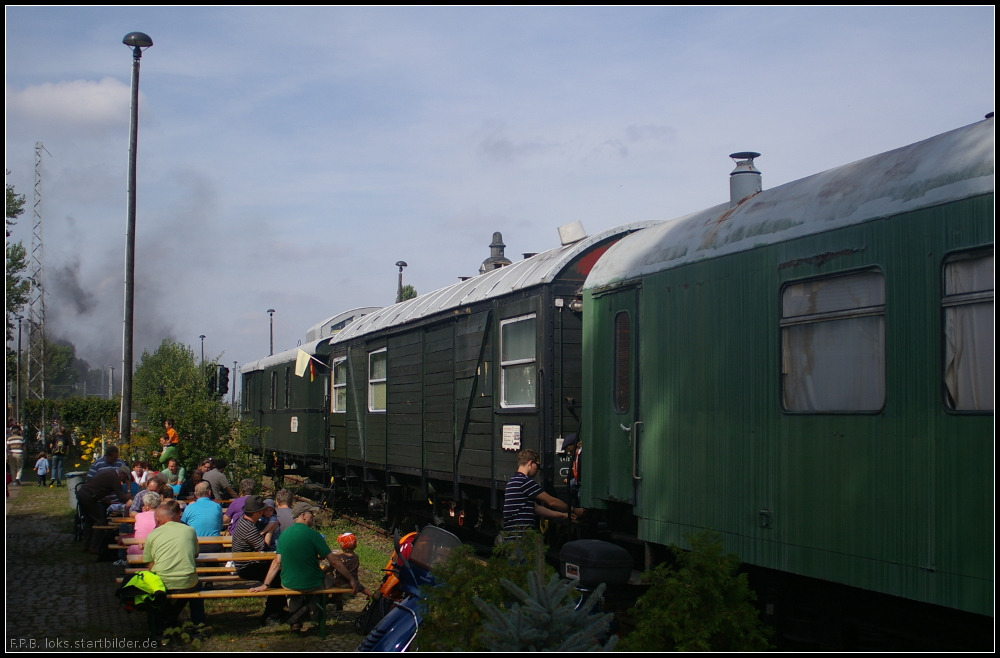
247, 539
523, 498
15, 453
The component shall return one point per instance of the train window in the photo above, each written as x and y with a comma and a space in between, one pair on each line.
833, 344
623, 361
377, 368
517, 362
968, 332
338, 396
288, 387
274, 389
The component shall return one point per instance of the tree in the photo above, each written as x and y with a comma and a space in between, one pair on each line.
698, 604
169, 383
546, 619
453, 622
61, 375
409, 292
17, 285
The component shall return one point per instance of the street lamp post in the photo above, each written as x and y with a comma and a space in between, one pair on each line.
202, 337
270, 312
232, 389
137, 41
399, 288
111, 383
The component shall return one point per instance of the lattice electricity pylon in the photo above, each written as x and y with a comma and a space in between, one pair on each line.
36, 301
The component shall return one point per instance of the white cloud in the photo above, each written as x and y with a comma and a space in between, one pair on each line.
84, 104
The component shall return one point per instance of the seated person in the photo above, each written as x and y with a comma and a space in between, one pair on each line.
174, 472
204, 514
145, 522
168, 441
283, 501
187, 489
152, 484
140, 474
216, 476
170, 552
348, 543
235, 509
247, 539
268, 525
296, 563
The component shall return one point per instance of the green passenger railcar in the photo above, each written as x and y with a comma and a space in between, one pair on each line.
809, 372
292, 408
432, 398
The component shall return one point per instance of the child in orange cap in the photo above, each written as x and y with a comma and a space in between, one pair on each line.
348, 542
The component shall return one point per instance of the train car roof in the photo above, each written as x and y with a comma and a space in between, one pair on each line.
954, 165
325, 329
312, 347
520, 275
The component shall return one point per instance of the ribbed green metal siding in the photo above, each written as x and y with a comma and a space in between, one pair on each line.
899, 502
306, 400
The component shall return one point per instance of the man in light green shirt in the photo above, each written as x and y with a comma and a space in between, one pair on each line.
170, 551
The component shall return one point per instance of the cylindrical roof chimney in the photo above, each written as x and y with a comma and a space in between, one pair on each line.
744, 181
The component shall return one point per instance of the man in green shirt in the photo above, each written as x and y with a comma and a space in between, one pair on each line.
170, 552
300, 548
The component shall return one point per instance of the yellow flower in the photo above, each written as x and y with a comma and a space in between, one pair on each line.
77, 466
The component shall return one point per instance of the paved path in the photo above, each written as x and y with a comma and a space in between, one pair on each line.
59, 598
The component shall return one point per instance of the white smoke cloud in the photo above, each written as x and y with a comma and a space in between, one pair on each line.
83, 104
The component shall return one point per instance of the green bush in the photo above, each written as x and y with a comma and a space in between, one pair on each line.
453, 621
699, 603
545, 620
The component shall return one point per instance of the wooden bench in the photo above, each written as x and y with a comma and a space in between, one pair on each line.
319, 606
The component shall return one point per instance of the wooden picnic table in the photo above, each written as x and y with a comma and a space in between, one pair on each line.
218, 557
198, 570
202, 541
218, 539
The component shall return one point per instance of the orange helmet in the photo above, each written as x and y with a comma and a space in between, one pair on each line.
347, 541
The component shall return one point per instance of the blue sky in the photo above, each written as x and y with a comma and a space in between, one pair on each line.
288, 157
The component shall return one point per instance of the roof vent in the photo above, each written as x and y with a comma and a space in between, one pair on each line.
572, 233
529, 254
744, 181
496, 259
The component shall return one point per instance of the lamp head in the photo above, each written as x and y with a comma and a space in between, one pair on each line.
400, 264
137, 41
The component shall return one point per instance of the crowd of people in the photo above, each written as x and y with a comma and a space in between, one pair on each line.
171, 508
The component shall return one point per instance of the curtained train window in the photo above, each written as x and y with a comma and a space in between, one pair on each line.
623, 361
338, 394
377, 375
518, 369
968, 332
833, 344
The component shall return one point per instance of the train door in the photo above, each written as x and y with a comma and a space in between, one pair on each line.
619, 393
